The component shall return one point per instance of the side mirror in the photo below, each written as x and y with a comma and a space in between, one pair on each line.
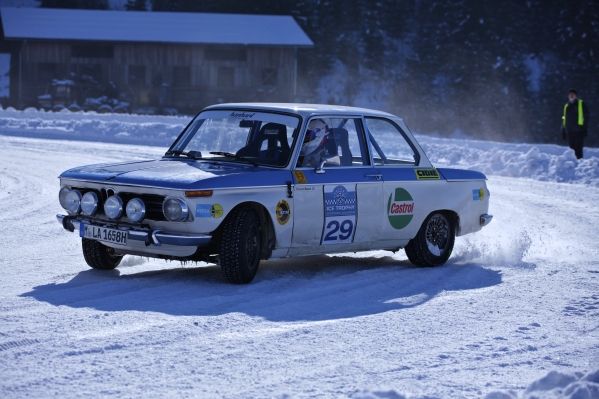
334, 160
320, 167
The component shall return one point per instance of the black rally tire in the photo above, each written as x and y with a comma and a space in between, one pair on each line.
422, 251
239, 247
99, 256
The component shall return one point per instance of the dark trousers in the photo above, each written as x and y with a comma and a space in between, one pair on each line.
576, 142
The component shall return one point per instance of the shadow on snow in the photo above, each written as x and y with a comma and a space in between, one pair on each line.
309, 288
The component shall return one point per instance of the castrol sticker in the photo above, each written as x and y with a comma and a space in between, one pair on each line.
400, 208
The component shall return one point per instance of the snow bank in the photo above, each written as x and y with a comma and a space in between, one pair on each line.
91, 126
545, 162
557, 385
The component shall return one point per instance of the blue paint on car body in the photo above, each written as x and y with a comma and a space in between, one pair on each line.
199, 174
461, 174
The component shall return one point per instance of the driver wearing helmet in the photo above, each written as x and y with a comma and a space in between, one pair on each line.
314, 146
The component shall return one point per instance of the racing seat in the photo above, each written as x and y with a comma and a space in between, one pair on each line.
277, 147
341, 142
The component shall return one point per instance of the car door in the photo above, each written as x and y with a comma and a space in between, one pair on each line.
335, 207
408, 178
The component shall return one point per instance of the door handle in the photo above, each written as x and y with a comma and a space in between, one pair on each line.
376, 177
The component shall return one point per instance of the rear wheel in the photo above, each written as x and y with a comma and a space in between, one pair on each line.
433, 244
239, 252
99, 256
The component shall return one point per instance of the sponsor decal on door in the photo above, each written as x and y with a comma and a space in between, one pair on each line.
283, 212
340, 210
400, 208
427, 174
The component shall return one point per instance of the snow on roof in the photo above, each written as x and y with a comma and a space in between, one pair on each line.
158, 27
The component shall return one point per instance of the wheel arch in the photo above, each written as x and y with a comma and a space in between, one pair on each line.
452, 215
267, 229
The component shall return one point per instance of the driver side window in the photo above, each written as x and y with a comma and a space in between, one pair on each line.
337, 141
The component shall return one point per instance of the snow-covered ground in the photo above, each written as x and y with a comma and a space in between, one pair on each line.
515, 313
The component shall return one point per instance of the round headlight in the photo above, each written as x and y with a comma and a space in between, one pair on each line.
62, 194
113, 207
89, 203
175, 209
70, 200
136, 210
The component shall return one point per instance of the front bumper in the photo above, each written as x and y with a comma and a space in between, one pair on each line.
147, 236
485, 219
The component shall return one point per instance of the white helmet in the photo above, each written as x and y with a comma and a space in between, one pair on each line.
315, 136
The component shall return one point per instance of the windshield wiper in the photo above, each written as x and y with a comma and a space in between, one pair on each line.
234, 156
188, 154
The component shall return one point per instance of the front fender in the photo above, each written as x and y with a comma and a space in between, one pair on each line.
210, 212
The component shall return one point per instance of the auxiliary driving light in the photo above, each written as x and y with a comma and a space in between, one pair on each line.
175, 209
113, 207
89, 203
136, 210
70, 200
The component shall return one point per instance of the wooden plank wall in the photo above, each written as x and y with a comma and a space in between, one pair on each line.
248, 67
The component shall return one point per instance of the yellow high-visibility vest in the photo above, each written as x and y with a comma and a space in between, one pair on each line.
580, 114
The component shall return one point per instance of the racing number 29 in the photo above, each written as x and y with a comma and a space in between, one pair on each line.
339, 230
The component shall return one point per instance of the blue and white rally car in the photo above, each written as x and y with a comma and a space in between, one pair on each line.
245, 182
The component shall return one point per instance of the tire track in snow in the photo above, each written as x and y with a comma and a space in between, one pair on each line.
4, 346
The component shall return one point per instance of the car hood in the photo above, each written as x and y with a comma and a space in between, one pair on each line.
179, 174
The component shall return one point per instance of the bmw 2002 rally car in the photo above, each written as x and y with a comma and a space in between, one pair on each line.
245, 182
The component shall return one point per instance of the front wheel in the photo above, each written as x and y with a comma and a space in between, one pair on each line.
239, 252
433, 244
99, 256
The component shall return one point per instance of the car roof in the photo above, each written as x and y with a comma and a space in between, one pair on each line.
305, 109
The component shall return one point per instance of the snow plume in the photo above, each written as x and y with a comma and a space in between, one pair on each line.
341, 85
508, 248
534, 70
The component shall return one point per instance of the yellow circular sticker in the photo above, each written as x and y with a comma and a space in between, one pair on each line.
283, 212
216, 211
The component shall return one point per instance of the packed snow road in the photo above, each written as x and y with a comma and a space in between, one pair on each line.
515, 301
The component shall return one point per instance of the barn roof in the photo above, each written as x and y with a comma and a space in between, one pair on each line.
157, 27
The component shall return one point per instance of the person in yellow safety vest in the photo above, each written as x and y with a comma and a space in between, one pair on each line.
575, 120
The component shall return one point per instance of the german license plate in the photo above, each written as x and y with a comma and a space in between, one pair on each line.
105, 234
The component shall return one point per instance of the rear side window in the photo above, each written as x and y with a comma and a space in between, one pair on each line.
389, 146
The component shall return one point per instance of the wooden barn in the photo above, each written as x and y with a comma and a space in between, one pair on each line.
157, 60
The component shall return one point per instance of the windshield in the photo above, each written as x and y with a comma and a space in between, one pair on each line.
258, 138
